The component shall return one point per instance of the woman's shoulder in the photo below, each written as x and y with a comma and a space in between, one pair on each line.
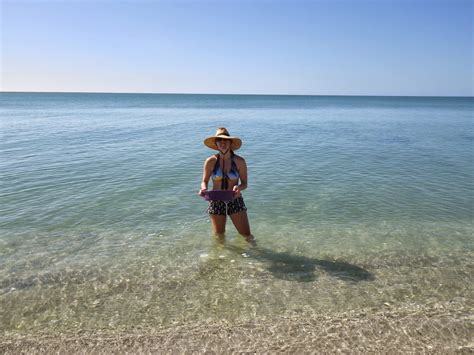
239, 159
212, 158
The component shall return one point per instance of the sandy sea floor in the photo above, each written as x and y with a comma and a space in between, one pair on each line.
389, 304
442, 328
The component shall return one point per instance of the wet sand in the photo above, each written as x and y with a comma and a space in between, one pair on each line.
440, 328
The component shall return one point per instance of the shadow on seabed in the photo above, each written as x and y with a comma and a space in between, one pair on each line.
300, 268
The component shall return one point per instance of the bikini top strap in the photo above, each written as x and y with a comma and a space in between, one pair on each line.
216, 165
233, 162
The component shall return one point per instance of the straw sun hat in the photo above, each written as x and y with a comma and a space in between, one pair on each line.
224, 134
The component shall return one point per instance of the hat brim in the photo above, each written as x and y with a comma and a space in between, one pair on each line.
211, 142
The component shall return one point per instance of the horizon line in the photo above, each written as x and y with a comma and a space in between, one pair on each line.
221, 94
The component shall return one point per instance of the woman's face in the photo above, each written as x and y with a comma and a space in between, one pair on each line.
223, 144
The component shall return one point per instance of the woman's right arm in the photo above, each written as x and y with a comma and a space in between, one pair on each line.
206, 175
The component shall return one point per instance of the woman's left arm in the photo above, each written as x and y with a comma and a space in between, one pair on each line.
242, 165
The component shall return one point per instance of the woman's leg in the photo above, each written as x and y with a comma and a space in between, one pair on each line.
217, 214
241, 223
218, 224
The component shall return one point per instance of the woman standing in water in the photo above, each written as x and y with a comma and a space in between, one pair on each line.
226, 169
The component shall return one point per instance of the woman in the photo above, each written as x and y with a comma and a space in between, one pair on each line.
226, 169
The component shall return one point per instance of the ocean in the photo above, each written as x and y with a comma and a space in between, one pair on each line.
356, 203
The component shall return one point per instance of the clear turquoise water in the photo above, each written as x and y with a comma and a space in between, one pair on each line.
354, 201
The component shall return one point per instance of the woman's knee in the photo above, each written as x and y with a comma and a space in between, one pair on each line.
218, 230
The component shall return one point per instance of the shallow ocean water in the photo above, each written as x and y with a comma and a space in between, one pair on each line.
356, 203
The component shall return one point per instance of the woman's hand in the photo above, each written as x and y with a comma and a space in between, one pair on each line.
236, 190
202, 192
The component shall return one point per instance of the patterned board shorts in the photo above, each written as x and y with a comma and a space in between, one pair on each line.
220, 208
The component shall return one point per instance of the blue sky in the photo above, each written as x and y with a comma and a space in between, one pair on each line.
351, 47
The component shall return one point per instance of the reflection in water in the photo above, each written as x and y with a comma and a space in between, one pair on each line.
301, 268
